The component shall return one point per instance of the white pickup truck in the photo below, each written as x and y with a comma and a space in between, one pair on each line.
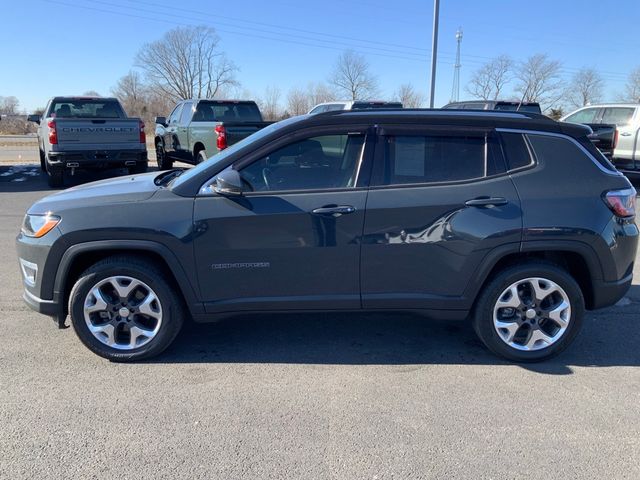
88, 133
625, 153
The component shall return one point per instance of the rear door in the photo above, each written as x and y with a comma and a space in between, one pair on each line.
439, 202
623, 119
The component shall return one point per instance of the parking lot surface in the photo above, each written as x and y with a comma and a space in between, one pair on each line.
339, 396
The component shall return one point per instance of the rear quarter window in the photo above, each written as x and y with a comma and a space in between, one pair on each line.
516, 151
549, 149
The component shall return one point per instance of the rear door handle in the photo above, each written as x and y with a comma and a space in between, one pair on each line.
334, 210
486, 202
625, 134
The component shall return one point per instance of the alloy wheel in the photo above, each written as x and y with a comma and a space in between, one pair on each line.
532, 314
123, 312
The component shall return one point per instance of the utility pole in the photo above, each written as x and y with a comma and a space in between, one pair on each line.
455, 91
434, 51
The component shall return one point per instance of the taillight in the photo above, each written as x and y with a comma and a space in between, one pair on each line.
622, 202
615, 140
53, 133
221, 141
143, 135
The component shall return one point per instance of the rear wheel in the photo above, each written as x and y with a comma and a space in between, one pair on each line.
43, 164
161, 157
529, 312
55, 175
201, 157
122, 309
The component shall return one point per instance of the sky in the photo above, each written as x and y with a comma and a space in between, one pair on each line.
65, 47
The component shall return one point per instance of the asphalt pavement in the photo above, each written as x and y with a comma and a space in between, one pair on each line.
335, 396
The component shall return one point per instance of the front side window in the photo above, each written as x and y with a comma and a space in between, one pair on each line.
588, 115
186, 113
618, 115
322, 162
173, 118
436, 158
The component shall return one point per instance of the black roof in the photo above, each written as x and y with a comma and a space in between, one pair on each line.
424, 116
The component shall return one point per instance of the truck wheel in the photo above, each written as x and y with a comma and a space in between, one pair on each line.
123, 309
55, 176
141, 167
202, 157
161, 157
43, 162
529, 312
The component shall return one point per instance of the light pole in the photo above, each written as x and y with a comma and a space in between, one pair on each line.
434, 51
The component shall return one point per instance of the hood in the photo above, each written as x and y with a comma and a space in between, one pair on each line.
120, 190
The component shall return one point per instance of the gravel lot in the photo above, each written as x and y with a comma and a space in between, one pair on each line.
309, 397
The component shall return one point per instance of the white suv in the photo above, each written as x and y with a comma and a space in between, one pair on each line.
352, 105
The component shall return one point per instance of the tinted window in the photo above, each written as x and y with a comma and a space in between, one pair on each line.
588, 115
86, 108
333, 107
617, 115
555, 149
369, 105
436, 158
516, 150
328, 161
227, 112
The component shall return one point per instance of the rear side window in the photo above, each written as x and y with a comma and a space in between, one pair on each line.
559, 149
436, 158
208, 111
516, 151
618, 115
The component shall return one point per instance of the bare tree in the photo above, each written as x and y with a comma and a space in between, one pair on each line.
409, 96
585, 88
91, 93
489, 81
297, 102
539, 80
320, 93
270, 103
351, 77
9, 105
186, 63
632, 87
132, 93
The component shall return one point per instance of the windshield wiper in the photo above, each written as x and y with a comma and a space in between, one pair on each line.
166, 177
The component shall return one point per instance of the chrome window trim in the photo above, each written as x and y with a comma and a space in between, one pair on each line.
615, 173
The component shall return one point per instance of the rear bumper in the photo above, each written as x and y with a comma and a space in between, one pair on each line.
606, 294
96, 159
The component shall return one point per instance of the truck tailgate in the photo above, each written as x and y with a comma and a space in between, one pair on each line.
110, 131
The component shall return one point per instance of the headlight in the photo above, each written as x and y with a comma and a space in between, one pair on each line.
39, 225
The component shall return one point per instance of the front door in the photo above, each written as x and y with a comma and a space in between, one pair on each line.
439, 201
292, 240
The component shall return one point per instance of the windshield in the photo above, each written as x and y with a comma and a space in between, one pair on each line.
227, 152
86, 108
227, 112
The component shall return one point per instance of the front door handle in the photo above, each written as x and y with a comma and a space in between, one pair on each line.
625, 134
334, 210
486, 202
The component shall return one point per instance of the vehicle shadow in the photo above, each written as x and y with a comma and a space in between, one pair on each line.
608, 338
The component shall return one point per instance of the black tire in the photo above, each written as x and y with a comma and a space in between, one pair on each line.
55, 176
201, 157
483, 312
161, 158
141, 167
124, 265
43, 162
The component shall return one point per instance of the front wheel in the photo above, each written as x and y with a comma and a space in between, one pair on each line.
122, 309
161, 157
529, 312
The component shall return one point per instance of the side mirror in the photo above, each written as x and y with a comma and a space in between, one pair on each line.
34, 118
228, 183
161, 121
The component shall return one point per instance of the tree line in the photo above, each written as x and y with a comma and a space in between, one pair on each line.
187, 62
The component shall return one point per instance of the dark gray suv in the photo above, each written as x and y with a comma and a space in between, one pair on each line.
510, 219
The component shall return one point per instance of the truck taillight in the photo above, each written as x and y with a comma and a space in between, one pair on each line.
622, 202
143, 135
221, 141
53, 133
